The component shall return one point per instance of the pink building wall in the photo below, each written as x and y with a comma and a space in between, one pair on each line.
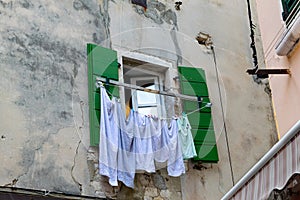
285, 88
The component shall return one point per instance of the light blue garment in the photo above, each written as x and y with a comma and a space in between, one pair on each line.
185, 137
175, 159
143, 142
135, 144
116, 157
126, 155
109, 140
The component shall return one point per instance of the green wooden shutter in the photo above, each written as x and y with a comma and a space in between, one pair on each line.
101, 62
193, 82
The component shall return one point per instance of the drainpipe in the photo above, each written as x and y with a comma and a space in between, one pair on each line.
264, 160
289, 40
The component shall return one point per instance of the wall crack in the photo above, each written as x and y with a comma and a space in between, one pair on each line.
12, 183
73, 166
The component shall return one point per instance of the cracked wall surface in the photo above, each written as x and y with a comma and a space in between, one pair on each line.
44, 130
43, 92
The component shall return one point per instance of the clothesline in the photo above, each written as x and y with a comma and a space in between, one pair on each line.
140, 143
207, 104
100, 80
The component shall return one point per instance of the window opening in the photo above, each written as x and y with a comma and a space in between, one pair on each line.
144, 102
290, 10
139, 74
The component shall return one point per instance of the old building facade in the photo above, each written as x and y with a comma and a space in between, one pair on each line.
44, 100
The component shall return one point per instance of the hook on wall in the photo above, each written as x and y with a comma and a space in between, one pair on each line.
204, 39
177, 5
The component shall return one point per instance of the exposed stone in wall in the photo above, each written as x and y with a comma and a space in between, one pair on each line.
161, 13
147, 185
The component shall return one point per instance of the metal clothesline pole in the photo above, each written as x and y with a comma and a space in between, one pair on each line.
130, 86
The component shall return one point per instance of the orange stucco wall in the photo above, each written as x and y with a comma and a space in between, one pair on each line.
285, 89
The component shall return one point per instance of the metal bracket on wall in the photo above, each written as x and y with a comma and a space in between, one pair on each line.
264, 73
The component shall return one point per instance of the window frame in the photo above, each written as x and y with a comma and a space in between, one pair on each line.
163, 72
290, 12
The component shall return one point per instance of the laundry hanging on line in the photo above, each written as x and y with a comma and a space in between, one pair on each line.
135, 144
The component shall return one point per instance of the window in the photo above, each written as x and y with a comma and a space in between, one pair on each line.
290, 10
290, 36
152, 73
144, 102
137, 72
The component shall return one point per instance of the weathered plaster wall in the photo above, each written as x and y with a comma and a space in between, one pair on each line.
43, 95
247, 108
285, 89
44, 102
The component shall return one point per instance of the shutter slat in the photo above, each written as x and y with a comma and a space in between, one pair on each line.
200, 120
188, 74
97, 100
192, 105
96, 114
206, 153
194, 88
204, 136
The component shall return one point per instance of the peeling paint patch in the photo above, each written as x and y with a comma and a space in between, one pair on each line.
101, 19
49, 178
47, 79
169, 17
158, 13
6, 4
51, 166
105, 18
26, 4
78, 5
45, 61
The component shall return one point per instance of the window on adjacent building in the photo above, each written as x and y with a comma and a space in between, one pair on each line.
153, 73
290, 10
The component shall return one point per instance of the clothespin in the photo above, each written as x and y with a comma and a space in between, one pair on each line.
199, 100
98, 84
106, 83
208, 105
